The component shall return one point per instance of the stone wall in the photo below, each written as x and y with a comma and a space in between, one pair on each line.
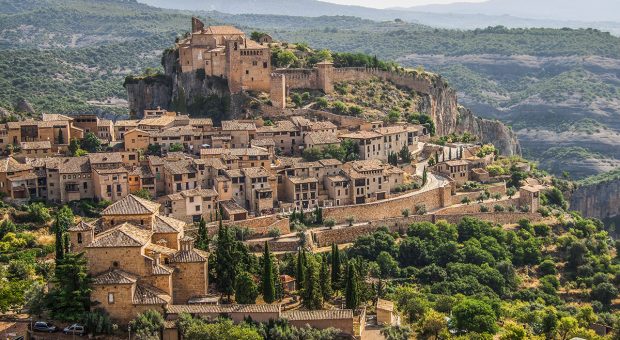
500, 218
474, 207
274, 245
388, 208
259, 226
300, 78
323, 238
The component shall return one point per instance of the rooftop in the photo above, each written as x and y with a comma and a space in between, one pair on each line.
236, 125
307, 315
131, 205
114, 276
185, 166
322, 138
147, 295
256, 172
164, 224
223, 30
36, 145
221, 309
125, 235
232, 207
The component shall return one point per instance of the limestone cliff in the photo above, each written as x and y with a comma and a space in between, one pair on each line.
191, 92
600, 199
441, 104
488, 131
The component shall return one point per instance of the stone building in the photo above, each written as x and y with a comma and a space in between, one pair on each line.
225, 51
192, 205
372, 180
139, 260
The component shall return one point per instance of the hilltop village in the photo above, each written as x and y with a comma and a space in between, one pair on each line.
169, 182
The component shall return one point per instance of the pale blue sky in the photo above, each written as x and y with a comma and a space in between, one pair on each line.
395, 3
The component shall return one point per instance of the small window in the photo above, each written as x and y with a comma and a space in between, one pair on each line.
79, 237
110, 298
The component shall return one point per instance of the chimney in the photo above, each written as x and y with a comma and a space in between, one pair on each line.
157, 258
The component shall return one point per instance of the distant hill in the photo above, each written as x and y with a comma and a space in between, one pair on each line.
435, 16
578, 10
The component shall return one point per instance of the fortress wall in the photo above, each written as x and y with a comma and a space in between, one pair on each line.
259, 226
274, 245
347, 74
492, 189
323, 238
500, 218
383, 209
300, 78
474, 207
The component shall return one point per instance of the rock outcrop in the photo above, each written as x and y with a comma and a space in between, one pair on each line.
190, 92
600, 199
23, 105
488, 131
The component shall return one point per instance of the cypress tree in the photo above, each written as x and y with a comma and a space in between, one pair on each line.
312, 296
325, 279
60, 249
202, 241
351, 289
424, 176
301, 269
278, 283
335, 266
225, 266
69, 297
269, 289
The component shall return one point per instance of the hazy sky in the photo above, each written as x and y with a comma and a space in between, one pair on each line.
395, 3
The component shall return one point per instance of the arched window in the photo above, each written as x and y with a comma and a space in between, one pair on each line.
79, 237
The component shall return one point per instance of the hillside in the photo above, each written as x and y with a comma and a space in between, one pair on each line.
595, 10
551, 86
444, 17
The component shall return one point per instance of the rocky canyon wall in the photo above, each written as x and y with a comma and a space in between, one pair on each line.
190, 92
600, 200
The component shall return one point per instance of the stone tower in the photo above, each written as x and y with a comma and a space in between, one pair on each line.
80, 235
197, 25
233, 63
278, 90
326, 70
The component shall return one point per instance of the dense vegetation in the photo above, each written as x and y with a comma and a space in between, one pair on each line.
536, 278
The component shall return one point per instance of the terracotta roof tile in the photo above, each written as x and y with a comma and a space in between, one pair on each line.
125, 235
36, 145
147, 295
185, 166
219, 309
131, 205
183, 256
114, 276
256, 172
12, 165
165, 224
72, 165
105, 157
81, 226
236, 125
307, 315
